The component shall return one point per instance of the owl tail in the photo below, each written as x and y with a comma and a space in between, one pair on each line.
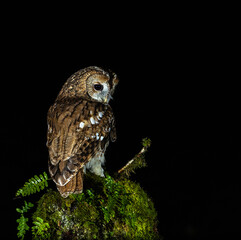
75, 185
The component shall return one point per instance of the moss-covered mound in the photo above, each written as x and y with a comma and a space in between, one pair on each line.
107, 209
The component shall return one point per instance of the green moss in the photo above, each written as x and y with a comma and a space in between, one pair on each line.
107, 209
68, 218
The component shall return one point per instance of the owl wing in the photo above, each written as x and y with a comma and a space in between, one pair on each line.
76, 132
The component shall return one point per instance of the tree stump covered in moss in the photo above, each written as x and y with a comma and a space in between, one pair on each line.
107, 209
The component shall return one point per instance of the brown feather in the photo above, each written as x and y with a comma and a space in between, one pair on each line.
73, 186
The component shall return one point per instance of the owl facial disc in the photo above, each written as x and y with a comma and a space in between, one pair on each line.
98, 88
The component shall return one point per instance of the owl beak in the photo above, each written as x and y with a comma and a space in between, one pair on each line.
105, 100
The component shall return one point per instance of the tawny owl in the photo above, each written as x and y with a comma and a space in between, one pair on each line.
80, 125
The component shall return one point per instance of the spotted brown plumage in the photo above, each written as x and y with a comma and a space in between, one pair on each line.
80, 125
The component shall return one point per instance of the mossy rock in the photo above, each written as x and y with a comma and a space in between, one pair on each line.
107, 209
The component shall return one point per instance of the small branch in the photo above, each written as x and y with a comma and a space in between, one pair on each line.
138, 161
143, 150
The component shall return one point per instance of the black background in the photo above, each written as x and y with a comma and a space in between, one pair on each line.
177, 87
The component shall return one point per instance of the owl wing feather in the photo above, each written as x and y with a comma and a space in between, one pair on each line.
77, 130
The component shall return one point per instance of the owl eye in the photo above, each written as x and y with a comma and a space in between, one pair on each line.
98, 87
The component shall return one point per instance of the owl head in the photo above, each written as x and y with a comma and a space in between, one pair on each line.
91, 83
